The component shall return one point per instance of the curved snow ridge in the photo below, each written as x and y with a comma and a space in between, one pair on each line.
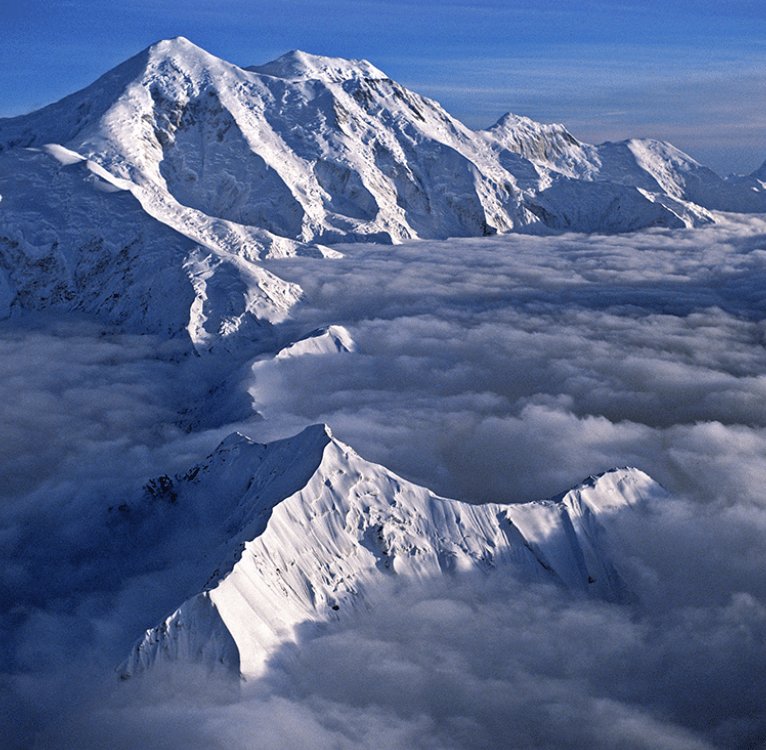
332, 339
327, 548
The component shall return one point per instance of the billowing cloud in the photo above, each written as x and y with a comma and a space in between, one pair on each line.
531, 362
505, 369
482, 661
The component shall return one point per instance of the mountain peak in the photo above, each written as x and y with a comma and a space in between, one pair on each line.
177, 46
318, 432
613, 490
315, 531
533, 140
760, 173
183, 55
298, 65
173, 44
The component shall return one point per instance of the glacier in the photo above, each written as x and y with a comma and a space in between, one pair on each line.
219, 166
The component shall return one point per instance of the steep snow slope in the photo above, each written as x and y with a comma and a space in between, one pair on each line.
316, 530
238, 164
313, 149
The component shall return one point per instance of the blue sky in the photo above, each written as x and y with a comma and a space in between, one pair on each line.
693, 73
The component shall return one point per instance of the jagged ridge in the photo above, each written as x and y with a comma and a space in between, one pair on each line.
284, 158
323, 549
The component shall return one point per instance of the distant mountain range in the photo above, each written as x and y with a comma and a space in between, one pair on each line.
150, 196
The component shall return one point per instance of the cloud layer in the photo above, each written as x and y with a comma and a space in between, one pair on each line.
484, 662
523, 364
505, 369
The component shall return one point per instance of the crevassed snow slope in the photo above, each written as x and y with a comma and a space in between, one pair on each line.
310, 149
72, 236
69, 238
230, 165
324, 548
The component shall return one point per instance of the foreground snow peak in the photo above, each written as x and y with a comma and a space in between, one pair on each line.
308, 554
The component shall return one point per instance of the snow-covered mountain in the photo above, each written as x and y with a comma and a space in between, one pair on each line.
302, 531
150, 195
72, 236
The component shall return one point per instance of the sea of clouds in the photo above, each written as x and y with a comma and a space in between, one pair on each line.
505, 369
508, 369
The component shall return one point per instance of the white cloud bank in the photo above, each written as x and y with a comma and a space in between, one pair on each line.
509, 369
504, 369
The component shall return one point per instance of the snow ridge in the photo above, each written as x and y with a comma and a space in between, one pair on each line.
297, 65
219, 166
324, 548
